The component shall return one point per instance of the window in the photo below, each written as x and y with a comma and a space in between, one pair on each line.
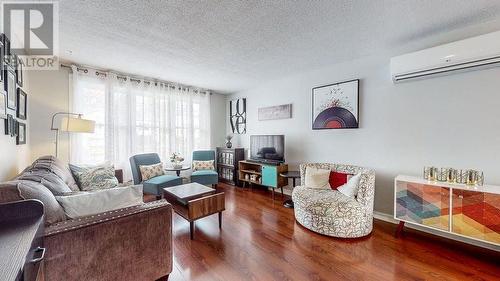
136, 117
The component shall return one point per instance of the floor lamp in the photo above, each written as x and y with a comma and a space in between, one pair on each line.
71, 122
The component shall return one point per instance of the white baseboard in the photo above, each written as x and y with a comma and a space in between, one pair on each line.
389, 218
384, 217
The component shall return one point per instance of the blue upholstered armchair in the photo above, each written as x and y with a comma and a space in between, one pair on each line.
206, 177
155, 185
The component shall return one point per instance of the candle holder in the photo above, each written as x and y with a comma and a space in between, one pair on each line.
480, 178
450, 175
431, 173
442, 174
426, 172
460, 176
471, 177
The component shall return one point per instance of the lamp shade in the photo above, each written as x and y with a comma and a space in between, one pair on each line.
77, 125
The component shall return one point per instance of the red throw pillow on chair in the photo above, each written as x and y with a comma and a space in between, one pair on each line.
338, 179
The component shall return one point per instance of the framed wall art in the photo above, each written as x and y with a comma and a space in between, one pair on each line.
9, 121
3, 104
19, 70
283, 111
22, 102
2, 53
10, 86
6, 47
14, 127
335, 106
238, 115
21, 133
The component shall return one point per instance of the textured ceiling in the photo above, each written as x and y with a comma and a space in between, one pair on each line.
229, 46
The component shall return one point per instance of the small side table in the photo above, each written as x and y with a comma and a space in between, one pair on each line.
293, 175
194, 201
177, 170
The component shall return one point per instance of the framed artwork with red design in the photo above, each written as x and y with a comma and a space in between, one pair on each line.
336, 106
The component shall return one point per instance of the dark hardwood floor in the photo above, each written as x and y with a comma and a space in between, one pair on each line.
260, 240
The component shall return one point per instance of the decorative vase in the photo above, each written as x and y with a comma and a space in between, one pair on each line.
177, 165
229, 144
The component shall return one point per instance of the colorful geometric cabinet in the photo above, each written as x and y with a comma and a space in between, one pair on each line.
472, 212
476, 214
423, 204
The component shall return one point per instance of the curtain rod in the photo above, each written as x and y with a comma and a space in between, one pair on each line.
124, 76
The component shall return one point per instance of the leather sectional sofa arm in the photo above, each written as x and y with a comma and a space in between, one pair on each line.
127, 244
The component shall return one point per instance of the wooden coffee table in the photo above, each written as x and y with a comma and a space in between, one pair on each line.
194, 201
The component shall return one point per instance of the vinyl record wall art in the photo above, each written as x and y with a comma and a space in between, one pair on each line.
335, 106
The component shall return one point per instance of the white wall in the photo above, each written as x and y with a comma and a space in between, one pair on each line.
447, 121
217, 120
52, 95
14, 158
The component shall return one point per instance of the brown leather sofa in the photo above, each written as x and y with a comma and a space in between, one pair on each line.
133, 243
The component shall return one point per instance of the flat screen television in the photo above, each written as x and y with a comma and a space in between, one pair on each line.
267, 148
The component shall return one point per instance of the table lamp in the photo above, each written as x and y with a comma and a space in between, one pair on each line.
71, 124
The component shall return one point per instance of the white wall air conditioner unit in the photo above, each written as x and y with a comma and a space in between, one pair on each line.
468, 54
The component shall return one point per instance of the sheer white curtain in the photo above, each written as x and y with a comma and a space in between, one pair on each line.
135, 117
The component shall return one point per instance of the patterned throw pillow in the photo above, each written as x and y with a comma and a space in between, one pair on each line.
151, 171
203, 165
94, 177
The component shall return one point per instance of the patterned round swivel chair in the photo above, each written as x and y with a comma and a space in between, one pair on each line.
330, 212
